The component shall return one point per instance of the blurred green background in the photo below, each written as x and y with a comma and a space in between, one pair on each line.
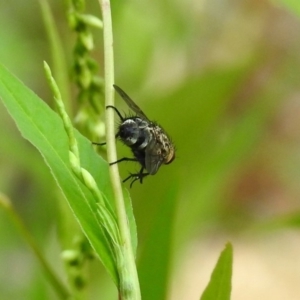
222, 77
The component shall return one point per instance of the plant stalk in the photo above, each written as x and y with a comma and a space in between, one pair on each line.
129, 287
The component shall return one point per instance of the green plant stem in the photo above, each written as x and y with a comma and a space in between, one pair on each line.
60, 289
57, 52
129, 284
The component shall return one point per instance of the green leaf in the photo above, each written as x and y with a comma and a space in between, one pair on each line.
131, 220
219, 286
44, 129
154, 264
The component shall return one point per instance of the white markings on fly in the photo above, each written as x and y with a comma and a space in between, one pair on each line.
131, 140
129, 121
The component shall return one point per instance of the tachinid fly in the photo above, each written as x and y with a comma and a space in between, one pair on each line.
149, 143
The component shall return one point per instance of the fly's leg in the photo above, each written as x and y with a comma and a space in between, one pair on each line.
117, 111
99, 144
121, 118
138, 176
104, 143
123, 159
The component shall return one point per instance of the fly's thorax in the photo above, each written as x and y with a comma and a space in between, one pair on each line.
134, 132
144, 139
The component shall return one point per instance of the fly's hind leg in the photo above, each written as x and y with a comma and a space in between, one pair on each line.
138, 176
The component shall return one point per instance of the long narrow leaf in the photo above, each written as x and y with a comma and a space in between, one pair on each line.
154, 264
219, 286
43, 128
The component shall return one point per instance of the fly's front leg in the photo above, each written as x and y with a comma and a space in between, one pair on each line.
117, 111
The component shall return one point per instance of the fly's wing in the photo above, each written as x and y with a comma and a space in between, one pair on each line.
130, 103
153, 160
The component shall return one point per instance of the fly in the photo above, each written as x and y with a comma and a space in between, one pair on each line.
150, 145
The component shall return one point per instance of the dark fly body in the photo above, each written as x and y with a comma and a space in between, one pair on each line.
149, 143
